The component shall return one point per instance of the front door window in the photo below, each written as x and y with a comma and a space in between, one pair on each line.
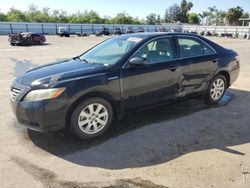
157, 51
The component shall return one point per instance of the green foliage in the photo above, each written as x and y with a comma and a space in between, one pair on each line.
185, 8
3, 17
214, 16
233, 15
123, 18
152, 19
172, 14
158, 19
16, 15
60, 16
178, 12
203, 15
193, 18
245, 15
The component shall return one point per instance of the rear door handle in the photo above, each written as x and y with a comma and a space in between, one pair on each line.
173, 68
215, 60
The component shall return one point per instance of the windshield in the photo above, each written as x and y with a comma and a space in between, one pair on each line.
110, 51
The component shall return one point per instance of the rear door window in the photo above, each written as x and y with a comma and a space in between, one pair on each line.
190, 47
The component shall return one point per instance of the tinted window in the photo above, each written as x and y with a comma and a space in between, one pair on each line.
157, 51
191, 48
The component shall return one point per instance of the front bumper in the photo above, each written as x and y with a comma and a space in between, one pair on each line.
42, 116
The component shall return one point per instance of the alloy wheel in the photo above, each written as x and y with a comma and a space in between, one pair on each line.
217, 89
93, 118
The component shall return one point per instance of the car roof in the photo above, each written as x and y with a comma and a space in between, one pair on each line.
155, 34
150, 35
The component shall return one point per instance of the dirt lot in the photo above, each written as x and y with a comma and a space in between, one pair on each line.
188, 145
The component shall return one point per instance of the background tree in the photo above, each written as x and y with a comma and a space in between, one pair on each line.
45, 14
158, 19
178, 12
3, 17
203, 15
221, 18
172, 14
211, 15
151, 19
93, 17
33, 14
185, 8
16, 15
123, 18
193, 18
233, 15
106, 20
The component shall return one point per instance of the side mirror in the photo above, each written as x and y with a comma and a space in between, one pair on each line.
137, 61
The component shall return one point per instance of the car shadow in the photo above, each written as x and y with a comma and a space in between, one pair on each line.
158, 135
32, 45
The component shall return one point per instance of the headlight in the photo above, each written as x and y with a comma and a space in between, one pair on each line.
42, 94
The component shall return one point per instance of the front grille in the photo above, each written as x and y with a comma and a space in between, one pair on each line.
14, 93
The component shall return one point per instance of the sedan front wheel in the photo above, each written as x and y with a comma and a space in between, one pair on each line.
91, 118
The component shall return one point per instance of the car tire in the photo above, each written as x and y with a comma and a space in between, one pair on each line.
216, 89
41, 42
91, 118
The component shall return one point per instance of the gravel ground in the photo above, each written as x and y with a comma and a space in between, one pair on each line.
186, 145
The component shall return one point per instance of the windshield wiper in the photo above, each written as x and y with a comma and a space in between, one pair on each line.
78, 58
85, 61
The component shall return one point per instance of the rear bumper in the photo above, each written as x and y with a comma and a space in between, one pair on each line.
234, 73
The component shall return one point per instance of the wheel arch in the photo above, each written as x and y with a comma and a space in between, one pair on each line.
98, 94
227, 76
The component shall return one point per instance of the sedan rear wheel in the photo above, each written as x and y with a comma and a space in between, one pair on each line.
216, 89
91, 118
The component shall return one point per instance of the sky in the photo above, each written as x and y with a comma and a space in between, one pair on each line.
135, 8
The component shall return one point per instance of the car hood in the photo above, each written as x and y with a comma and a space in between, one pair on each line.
51, 73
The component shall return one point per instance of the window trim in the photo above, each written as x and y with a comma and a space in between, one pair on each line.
170, 37
196, 38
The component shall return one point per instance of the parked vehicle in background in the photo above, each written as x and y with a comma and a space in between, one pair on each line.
63, 32
129, 30
140, 30
194, 32
230, 35
104, 31
202, 33
122, 75
117, 31
163, 30
82, 34
26, 39
208, 33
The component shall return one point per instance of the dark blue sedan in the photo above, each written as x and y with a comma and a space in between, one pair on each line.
120, 75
